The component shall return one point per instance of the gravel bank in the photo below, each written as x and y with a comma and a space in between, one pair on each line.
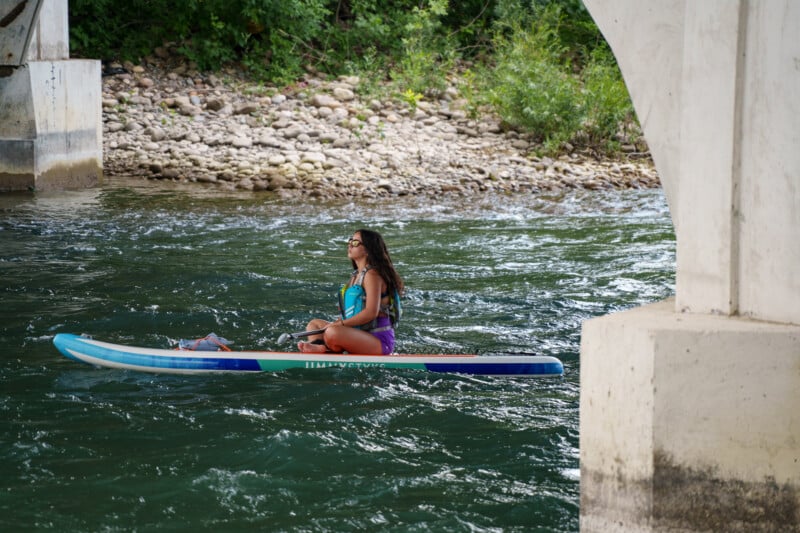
320, 139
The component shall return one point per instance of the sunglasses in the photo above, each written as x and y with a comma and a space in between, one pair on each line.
353, 243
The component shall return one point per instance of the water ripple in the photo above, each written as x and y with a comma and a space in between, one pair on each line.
309, 450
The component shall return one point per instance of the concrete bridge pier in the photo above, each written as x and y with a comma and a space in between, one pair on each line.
50, 106
690, 408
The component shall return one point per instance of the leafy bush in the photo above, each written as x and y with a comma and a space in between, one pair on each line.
425, 58
606, 103
532, 87
538, 88
541, 64
272, 37
110, 29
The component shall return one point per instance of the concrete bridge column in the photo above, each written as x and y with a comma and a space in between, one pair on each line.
50, 106
690, 408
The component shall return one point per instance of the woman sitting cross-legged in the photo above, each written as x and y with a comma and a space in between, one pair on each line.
368, 303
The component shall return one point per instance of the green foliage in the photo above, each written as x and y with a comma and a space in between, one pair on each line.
532, 88
473, 86
359, 26
535, 89
606, 102
114, 28
426, 55
267, 36
575, 30
271, 37
412, 98
542, 65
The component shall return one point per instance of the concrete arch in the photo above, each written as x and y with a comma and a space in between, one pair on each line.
689, 408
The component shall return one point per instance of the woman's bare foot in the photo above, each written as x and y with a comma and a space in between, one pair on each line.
310, 347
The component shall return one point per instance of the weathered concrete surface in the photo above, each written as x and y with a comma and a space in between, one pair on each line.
50, 107
17, 25
688, 411
50, 35
716, 86
51, 126
689, 422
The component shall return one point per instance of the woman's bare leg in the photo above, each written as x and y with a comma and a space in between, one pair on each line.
316, 323
352, 340
309, 346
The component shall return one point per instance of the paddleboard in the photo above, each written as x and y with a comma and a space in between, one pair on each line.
103, 354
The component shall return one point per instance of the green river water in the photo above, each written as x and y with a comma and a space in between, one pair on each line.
86, 449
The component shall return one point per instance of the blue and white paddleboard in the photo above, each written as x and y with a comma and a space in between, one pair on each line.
104, 354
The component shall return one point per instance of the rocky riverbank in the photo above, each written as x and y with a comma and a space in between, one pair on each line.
320, 139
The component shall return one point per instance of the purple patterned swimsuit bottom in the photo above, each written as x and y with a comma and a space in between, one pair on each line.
384, 333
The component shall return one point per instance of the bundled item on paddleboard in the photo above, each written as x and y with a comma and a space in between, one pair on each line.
209, 343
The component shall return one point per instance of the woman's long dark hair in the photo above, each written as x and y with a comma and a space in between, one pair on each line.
378, 258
